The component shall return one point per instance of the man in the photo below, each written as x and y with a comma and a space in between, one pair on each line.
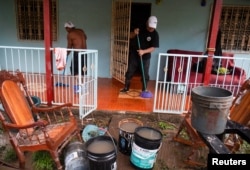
142, 44
76, 40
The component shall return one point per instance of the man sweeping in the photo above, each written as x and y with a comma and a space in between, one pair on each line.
142, 43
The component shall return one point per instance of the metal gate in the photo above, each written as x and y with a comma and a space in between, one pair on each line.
177, 75
80, 90
170, 96
120, 38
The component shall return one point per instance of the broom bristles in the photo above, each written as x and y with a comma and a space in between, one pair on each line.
146, 94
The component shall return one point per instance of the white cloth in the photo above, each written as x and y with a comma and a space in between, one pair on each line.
61, 58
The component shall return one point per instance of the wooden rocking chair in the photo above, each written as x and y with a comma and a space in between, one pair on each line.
54, 129
239, 112
18, 77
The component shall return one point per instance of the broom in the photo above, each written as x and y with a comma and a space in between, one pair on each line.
146, 93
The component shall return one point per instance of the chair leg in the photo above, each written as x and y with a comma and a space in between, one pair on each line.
21, 159
79, 137
190, 160
193, 140
55, 157
20, 155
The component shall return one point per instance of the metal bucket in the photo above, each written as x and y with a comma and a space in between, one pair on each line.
210, 109
75, 157
126, 134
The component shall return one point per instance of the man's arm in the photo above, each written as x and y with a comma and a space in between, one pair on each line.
148, 50
134, 33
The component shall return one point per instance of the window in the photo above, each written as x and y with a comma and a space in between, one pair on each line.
235, 28
30, 19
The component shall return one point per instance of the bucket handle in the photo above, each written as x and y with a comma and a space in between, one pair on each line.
116, 152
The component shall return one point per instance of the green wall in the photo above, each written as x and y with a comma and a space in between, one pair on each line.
182, 24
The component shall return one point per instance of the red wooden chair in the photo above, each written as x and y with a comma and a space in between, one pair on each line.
54, 129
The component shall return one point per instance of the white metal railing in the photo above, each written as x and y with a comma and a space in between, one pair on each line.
177, 75
31, 61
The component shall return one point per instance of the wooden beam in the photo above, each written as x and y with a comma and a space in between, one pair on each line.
213, 30
47, 44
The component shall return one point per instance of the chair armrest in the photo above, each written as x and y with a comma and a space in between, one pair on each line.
39, 123
50, 109
54, 114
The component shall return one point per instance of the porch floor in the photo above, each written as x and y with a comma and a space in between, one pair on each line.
109, 100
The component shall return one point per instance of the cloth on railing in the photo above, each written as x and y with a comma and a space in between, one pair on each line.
61, 58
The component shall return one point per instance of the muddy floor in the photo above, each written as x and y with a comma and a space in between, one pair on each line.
172, 155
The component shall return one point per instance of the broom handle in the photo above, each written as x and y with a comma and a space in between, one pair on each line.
142, 67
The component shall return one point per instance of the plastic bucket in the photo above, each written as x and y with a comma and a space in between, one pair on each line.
101, 153
147, 142
126, 134
75, 157
210, 109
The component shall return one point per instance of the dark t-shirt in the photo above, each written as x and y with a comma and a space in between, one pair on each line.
146, 39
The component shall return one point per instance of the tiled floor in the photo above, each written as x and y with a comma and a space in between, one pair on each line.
108, 96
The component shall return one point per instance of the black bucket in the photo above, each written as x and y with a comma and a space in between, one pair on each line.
210, 109
102, 153
75, 157
147, 142
126, 134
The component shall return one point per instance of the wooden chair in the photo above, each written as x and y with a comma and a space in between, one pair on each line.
240, 109
17, 77
239, 112
54, 129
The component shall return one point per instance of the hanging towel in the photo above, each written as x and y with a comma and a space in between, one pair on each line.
61, 58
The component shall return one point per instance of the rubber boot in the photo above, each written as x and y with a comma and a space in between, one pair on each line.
126, 87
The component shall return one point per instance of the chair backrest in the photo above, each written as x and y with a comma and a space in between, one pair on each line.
15, 103
240, 109
17, 77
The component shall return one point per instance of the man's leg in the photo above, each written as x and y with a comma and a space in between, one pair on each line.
74, 64
132, 66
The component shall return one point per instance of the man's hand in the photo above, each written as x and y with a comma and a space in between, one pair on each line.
140, 52
136, 31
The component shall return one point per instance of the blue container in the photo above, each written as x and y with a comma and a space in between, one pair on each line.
36, 100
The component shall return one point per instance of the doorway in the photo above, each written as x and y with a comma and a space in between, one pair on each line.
126, 16
140, 12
